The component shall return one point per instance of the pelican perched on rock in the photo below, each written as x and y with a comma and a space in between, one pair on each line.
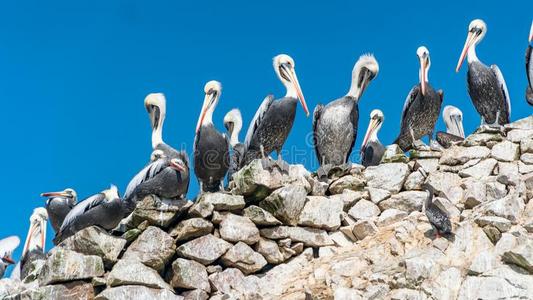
437, 217
211, 148
34, 246
273, 120
486, 85
233, 124
59, 205
529, 68
104, 209
453, 118
7, 246
335, 125
372, 150
421, 108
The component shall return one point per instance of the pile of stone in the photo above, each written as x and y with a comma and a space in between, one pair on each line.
359, 234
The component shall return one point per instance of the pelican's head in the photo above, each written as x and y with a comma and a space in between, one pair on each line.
531, 33
157, 154
36, 237
376, 120
423, 56
178, 164
476, 32
233, 124
69, 195
111, 193
365, 69
212, 91
453, 118
156, 106
284, 67
7, 246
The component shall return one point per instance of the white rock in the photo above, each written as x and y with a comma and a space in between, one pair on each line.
475, 192
234, 228
527, 158
286, 203
364, 209
343, 293
390, 176
321, 212
486, 260
390, 216
509, 207
526, 145
407, 201
457, 155
502, 224
483, 169
364, 228
445, 286
505, 151
414, 181
378, 195
518, 135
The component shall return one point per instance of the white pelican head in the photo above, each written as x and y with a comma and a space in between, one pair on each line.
36, 237
376, 120
233, 124
453, 118
423, 56
156, 106
476, 31
212, 90
284, 67
365, 69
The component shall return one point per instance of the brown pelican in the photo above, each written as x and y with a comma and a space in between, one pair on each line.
529, 68
104, 209
421, 108
486, 86
233, 124
453, 118
437, 217
273, 120
372, 150
59, 205
335, 125
7, 246
211, 148
34, 244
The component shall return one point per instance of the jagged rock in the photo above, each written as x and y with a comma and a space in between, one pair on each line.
133, 272
286, 203
527, 158
393, 154
340, 239
521, 255
349, 182
218, 216
195, 295
390, 176
343, 293
349, 198
318, 188
201, 209
154, 248
205, 249
483, 169
524, 169
502, 224
484, 261
159, 212
191, 228
495, 190
227, 280
377, 291
364, 228
492, 287
508, 173
518, 135
66, 265
429, 165
236, 228
390, 216
444, 183
128, 292
321, 212
32, 270
509, 207
260, 216
364, 209
378, 195
223, 201
526, 146
403, 293
445, 286
270, 251
95, 241
414, 181
481, 139
505, 151
457, 155
131, 234
189, 274
10, 287
475, 192
253, 181
492, 233
242, 257
407, 201
422, 264
311, 237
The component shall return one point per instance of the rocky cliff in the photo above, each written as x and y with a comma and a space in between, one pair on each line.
359, 235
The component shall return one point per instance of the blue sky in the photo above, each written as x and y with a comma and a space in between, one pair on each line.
73, 76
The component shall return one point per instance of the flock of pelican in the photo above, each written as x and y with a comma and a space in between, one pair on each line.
217, 155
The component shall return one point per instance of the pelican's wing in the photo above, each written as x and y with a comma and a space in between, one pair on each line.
409, 100
503, 86
81, 208
145, 174
8, 245
316, 116
529, 63
258, 118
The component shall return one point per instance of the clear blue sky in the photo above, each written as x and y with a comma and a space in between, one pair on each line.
73, 76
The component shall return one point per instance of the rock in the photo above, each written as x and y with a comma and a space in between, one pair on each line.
95, 241
456, 155
525, 123
376, 291
318, 188
522, 255
475, 192
195, 295
393, 154
421, 264
401, 294
505, 151
490, 288
389, 176
508, 173
524, 169
77, 290
159, 212
502, 224
131, 234
486, 260
340, 239
518, 135
448, 207
482, 139
364, 228
154, 248
286, 203
234, 228
217, 216
67, 265
414, 181
191, 228
349, 198
227, 280
311, 237
321, 212
527, 158
509, 207
407, 201
378, 195
390, 216
526, 146
242, 257
270, 251
343, 293
445, 286
349, 182
364, 209
260, 216
252, 181
201, 209
205, 249
189, 274
10, 286
444, 183
222, 201
127, 292
32, 270
495, 190
132, 272
483, 169
492, 233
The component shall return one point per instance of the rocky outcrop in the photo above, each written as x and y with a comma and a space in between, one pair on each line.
360, 234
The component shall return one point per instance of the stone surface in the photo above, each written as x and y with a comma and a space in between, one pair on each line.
159, 212
153, 247
505, 151
244, 258
286, 203
191, 228
205, 249
76, 290
502, 224
128, 292
189, 274
414, 181
133, 272
234, 228
309, 236
378, 195
223, 201
391, 216
364, 228
509, 207
260, 216
390, 176
364, 209
67, 265
407, 201
321, 212
521, 255
483, 169
457, 155
349, 182
270, 251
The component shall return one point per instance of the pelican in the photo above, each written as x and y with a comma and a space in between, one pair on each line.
211, 148
529, 68
59, 205
486, 85
34, 246
372, 150
7, 246
437, 217
104, 209
335, 125
421, 108
453, 118
233, 124
273, 120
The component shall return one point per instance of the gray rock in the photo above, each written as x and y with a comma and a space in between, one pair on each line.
457, 155
502, 224
189, 274
159, 212
526, 146
407, 201
421, 264
236, 228
508, 173
376, 291
391, 216
270, 251
321, 212
128, 292
483, 169
77, 290
223, 201
378, 195
407, 294
505, 151
311, 237
201, 209
66, 265
153, 247
482, 139
205, 249
286, 203
490, 288
495, 190
349, 198
343, 293
10, 286
527, 158
242, 257
132, 272
393, 154
364, 209
254, 182
195, 295
191, 228
445, 286
414, 181
390, 176
518, 135
484, 261
227, 280
364, 228
521, 255
340, 239
475, 192
509, 207
444, 183
318, 188
492, 233
349, 182
260, 216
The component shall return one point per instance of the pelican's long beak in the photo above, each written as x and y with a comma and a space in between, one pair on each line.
208, 101
54, 194
32, 229
468, 43
372, 126
423, 74
39, 228
364, 83
459, 125
174, 164
8, 259
531, 33
154, 113
296, 85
